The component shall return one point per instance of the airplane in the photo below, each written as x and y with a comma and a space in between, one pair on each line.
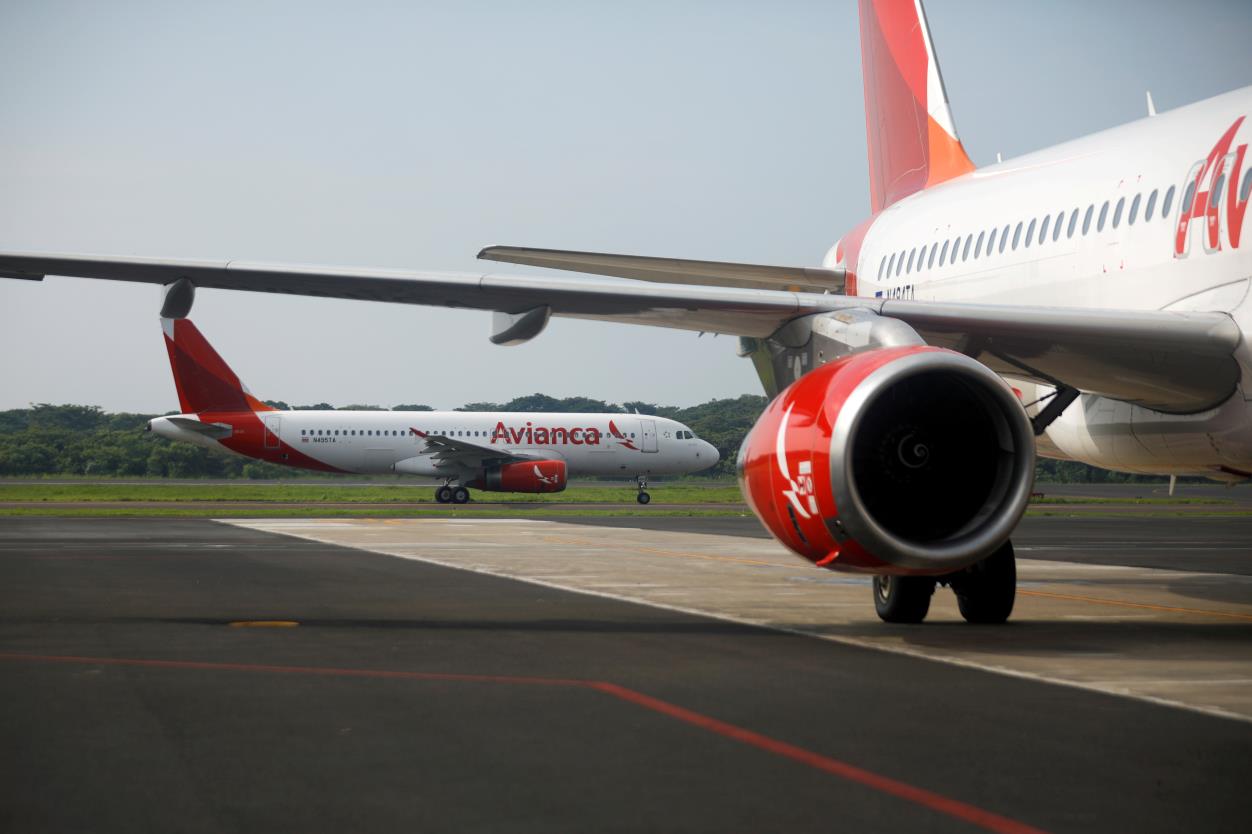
486, 450
1088, 301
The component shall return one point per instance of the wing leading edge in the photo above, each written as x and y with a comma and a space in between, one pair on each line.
1175, 362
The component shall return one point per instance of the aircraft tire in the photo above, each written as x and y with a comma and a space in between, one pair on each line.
643, 497
443, 494
985, 592
460, 495
903, 599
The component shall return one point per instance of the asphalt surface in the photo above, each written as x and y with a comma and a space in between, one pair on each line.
1209, 545
412, 696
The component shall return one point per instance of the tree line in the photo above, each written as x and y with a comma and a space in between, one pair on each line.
84, 440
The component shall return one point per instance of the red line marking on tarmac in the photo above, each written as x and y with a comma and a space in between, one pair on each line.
939, 803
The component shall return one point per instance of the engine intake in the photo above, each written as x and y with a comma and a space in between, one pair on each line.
897, 460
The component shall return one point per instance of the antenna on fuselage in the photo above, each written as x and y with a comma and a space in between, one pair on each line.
1151, 103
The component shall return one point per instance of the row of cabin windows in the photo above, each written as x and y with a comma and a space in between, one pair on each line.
394, 433
928, 256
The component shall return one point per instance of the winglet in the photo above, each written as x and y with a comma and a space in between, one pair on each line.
910, 134
204, 381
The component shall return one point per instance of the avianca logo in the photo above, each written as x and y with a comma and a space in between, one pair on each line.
799, 492
621, 438
552, 479
544, 435
1211, 182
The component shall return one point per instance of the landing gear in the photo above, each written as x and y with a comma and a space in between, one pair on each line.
643, 497
903, 599
448, 494
985, 591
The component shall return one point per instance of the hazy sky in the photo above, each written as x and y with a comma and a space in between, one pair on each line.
411, 135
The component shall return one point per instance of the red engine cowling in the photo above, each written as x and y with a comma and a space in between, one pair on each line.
909, 460
524, 476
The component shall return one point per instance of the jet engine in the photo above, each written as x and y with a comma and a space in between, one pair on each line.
523, 476
897, 460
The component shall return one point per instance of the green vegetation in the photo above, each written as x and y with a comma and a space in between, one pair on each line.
305, 511
83, 441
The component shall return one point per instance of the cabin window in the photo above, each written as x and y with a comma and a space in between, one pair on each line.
1150, 207
1188, 197
978, 245
1030, 233
900, 264
1246, 188
882, 266
1073, 223
1215, 198
934, 250
891, 264
921, 258
1104, 216
1017, 236
319, 432
969, 241
1086, 219
1043, 229
1134, 210
1004, 238
1167, 203
1117, 212
912, 258
943, 256
991, 242
302, 432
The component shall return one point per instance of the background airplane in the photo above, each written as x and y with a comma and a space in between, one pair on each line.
491, 451
1104, 279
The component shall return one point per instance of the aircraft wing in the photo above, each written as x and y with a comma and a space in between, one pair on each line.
452, 451
674, 270
1170, 361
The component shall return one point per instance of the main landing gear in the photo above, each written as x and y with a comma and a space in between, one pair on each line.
643, 497
985, 591
448, 494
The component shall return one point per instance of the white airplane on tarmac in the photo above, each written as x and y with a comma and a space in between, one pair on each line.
491, 451
1089, 301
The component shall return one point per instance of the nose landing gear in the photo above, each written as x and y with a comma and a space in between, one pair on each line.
643, 497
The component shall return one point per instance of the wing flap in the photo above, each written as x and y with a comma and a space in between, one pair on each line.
674, 270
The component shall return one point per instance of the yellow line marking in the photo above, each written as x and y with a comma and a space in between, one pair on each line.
1165, 608
264, 624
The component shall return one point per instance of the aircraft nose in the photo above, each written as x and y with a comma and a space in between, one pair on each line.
710, 451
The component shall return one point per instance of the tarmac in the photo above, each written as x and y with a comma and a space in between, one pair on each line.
655, 674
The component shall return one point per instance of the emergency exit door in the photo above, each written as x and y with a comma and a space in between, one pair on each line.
648, 430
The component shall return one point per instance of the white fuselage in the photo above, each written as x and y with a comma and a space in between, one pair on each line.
1135, 233
372, 442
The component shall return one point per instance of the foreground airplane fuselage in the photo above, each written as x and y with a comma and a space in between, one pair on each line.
1150, 215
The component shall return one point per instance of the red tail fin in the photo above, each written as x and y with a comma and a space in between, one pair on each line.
912, 140
203, 379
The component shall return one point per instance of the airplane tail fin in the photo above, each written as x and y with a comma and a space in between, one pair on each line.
909, 130
204, 381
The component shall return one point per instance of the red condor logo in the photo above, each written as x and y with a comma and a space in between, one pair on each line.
1210, 182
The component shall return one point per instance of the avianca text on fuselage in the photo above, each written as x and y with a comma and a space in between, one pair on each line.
546, 436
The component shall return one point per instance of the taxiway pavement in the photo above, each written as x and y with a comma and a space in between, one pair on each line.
165, 674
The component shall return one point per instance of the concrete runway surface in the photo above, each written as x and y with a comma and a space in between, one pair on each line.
289, 675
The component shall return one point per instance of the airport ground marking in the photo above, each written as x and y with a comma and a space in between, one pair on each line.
954, 808
263, 525
1168, 609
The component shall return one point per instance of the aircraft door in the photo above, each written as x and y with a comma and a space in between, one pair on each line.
273, 427
648, 435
